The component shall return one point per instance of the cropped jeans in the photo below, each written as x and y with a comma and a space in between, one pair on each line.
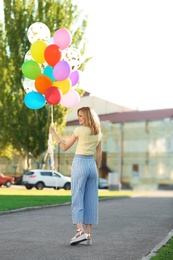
84, 189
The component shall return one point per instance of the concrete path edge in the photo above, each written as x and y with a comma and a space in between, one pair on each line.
157, 247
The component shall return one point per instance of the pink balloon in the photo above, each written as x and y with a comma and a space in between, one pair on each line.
62, 38
62, 70
71, 99
53, 95
74, 77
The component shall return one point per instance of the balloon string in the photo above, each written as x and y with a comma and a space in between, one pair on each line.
50, 145
51, 114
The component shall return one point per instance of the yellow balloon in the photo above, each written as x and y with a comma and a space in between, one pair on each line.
37, 51
64, 85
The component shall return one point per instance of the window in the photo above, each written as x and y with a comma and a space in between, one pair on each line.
29, 173
46, 173
56, 175
135, 170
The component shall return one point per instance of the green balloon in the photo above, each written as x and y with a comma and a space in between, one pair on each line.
31, 69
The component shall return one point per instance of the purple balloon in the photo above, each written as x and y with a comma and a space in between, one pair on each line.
74, 77
62, 70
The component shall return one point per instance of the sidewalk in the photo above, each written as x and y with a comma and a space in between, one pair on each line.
129, 229
158, 194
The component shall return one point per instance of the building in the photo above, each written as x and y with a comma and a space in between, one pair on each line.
137, 145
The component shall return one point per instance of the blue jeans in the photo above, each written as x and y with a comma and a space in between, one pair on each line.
84, 189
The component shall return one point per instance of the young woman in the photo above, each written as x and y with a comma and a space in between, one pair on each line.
84, 176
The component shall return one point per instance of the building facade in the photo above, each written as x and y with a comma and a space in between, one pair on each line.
137, 145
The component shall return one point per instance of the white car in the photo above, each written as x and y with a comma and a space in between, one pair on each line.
45, 178
102, 183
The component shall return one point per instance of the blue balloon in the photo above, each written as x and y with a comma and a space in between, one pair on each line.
48, 71
50, 41
34, 100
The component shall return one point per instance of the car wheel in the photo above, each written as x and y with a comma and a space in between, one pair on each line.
28, 187
8, 184
67, 186
39, 185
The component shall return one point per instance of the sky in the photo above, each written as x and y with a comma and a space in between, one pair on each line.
131, 44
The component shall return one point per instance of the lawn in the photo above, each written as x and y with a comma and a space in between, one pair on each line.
16, 198
165, 252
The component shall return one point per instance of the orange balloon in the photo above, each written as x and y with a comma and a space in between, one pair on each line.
42, 83
64, 85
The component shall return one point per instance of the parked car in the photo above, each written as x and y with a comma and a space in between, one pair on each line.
18, 180
6, 180
46, 179
103, 183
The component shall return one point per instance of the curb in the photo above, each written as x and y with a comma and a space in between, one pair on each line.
157, 247
33, 208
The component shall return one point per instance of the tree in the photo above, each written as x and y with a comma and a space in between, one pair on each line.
27, 130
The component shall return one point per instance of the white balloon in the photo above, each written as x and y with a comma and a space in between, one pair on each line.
28, 56
29, 85
72, 56
38, 31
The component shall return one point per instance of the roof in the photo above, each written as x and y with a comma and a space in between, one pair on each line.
133, 116
100, 106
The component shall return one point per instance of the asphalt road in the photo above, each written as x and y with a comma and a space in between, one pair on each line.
129, 228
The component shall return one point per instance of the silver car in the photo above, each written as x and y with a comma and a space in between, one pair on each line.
45, 179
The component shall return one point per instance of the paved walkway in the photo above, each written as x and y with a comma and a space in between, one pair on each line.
129, 229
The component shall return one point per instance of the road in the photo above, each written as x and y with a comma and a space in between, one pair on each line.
129, 228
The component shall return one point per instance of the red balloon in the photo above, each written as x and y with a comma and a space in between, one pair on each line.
52, 54
53, 95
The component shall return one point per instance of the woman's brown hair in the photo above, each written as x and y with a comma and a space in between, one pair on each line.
91, 119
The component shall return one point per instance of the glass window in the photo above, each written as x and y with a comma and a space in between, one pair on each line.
46, 173
56, 175
29, 173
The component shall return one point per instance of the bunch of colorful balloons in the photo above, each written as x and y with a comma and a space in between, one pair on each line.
50, 68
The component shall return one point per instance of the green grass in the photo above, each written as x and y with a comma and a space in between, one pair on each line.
165, 252
9, 202
11, 199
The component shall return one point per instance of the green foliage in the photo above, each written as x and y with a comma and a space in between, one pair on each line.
27, 130
7, 152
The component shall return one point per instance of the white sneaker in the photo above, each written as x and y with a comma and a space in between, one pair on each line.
78, 238
87, 242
